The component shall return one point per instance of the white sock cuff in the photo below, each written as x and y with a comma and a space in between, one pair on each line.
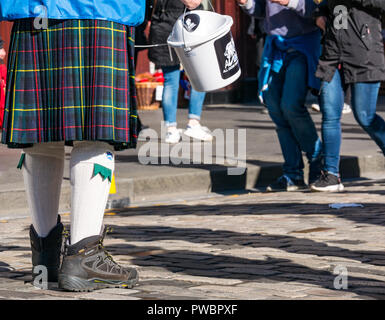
95, 152
49, 149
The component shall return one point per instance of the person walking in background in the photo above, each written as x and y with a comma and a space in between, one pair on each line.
347, 102
141, 40
348, 95
77, 88
353, 55
290, 57
256, 32
3, 80
166, 13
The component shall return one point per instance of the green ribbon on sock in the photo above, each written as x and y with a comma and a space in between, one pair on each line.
21, 161
103, 171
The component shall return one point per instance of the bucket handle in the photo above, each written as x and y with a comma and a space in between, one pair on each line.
185, 48
211, 5
188, 49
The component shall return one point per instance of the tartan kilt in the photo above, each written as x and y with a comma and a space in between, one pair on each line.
70, 82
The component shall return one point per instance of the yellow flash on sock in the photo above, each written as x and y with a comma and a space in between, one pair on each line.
113, 185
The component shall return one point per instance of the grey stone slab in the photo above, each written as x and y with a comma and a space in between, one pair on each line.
12, 294
368, 290
251, 271
106, 296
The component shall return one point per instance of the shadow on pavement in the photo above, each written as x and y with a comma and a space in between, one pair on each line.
229, 267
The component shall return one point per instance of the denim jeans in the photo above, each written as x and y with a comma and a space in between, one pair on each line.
285, 101
364, 103
170, 97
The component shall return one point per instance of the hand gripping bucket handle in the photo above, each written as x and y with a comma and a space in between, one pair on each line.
204, 44
186, 48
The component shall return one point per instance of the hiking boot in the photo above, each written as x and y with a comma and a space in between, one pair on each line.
327, 183
284, 183
87, 266
46, 251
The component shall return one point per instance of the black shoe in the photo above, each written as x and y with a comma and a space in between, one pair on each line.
327, 183
46, 251
87, 266
286, 184
315, 170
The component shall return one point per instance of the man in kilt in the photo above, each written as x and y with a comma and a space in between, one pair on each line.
71, 81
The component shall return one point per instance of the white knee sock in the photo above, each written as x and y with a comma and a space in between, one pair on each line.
43, 174
89, 192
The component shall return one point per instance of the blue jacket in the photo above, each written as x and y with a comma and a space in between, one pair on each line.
128, 12
274, 55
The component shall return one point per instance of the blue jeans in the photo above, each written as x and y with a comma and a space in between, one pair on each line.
170, 97
364, 103
285, 100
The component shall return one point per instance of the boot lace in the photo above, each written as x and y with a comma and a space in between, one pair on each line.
325, 176
108, 259
65, 241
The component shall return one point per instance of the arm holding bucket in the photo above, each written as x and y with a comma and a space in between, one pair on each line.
304, 8
2, 51
254, 8
191, 4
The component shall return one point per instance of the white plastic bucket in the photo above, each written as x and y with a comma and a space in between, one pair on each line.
205, 47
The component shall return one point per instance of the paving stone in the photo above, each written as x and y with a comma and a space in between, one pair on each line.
251, 271
13, 294
234, 293
329, 293
227, 247
106, 296
332, 298
290, 295
377, 290
115, 291
208, 280
278, 286
205, 273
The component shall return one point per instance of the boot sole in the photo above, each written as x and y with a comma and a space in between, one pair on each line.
334, 188
288, 189
76, 284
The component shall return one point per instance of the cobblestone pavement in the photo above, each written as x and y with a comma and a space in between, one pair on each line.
249, 246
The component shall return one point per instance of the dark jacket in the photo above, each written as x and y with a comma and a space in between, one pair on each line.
140, 36
165, 15
359, 48
1, 43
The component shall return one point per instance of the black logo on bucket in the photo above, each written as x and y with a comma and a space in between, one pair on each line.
227, 56
191, 22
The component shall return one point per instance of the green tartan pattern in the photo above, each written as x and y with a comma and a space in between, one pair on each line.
73, 81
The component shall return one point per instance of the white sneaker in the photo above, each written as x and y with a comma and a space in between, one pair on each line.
173, 136
316, 107
346, 109
198, 132
206, 129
